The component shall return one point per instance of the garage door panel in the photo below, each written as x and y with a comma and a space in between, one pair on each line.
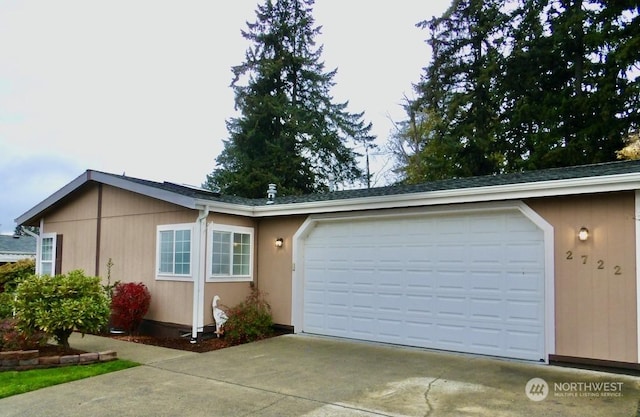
419, 304
524, 283
466, 282
525, 343
486, 282
486, 339
524, 312
451, 280
363, 327
486, 309
448, 307
450, 254
419, 280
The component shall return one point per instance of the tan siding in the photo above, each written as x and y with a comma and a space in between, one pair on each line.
231, 294
172, 302
76, 220
275, 264
595, 308
129, 223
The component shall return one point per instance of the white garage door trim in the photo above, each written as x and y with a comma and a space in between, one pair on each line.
311, 222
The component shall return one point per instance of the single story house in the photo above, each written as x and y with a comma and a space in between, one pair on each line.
540, 265
15, 247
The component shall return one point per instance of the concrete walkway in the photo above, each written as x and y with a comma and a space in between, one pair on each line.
297, 375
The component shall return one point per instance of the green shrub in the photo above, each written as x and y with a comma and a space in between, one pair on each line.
6, 305
61, 304
250, 320
12, 273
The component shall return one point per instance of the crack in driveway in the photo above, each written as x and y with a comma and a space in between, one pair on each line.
427, 392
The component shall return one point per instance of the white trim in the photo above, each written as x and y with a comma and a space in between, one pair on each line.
549, 278
199, 272
636, 219
160, 276
215, 227
39, 245
15, 256
297, 280
555, 188
54, 242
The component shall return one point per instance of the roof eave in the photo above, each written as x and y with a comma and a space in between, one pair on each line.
108, 179
608, 183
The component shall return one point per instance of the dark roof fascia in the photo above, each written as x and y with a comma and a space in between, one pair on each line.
504, 192
122, 182
596, 178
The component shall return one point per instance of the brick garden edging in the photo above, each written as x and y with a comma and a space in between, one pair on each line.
22, 360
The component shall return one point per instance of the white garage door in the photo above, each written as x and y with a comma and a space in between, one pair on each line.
469, 282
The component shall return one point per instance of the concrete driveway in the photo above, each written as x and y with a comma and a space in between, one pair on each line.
298, 375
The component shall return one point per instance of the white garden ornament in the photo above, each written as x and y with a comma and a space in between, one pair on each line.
219, 316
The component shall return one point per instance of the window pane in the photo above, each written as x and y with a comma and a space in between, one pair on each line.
46, 256
46, 268
183, 252
221, 253
241, 251
47, 249
166, 251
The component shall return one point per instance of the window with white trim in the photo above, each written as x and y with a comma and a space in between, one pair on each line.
47, 254
230, 255
174, 251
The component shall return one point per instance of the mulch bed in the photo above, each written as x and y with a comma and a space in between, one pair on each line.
57, 350
180, 343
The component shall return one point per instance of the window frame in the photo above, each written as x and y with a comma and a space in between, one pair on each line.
52, 261
210, 276
172, 276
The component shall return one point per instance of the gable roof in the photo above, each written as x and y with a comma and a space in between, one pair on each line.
17, 245
604, 177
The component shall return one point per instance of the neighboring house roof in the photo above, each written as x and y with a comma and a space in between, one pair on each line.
14, 248
604, 177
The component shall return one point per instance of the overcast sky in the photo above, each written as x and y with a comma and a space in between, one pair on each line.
142, 86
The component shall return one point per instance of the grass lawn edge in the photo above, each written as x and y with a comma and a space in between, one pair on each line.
19, 382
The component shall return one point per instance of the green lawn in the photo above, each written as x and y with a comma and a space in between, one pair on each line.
17, 382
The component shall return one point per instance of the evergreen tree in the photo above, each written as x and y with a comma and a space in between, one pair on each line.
569, 83
460, 85
529, 84
290, 132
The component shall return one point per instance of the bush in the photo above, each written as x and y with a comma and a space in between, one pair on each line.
6, 305
61, 304
129, 304
250, 320
12, 273
12, 338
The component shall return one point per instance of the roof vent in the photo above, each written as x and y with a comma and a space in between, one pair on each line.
271, 194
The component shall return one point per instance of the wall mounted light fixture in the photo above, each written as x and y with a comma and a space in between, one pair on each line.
583, 234
279, 242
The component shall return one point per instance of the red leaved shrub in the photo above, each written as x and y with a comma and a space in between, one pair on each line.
12, 338
129, 304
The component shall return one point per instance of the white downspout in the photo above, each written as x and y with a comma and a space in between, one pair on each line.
197, 322
38, 243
